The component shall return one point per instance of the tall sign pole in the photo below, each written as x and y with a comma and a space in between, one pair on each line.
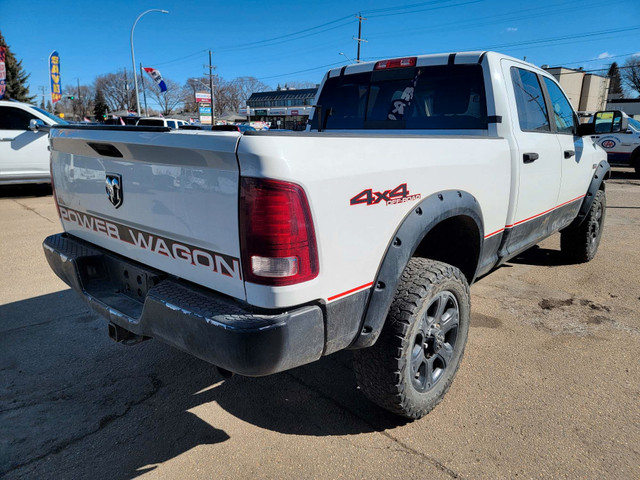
144, 92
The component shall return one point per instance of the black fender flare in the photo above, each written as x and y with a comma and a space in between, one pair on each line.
603, 171
412, 230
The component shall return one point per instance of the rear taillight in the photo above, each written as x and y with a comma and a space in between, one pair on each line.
396, 63
276, 233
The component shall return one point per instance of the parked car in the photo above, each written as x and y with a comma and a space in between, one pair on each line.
24, 151
619, 135
161, 122
232, 127
263, 251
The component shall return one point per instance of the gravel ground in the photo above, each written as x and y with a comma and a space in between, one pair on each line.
548, 388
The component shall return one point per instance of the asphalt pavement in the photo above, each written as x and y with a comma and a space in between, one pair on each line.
549, 386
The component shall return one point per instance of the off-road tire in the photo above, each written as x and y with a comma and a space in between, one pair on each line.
386, 372
580, 244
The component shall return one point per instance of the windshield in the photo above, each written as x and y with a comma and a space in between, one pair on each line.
51, 116
434, 97
634, 124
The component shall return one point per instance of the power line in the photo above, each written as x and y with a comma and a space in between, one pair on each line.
303, 71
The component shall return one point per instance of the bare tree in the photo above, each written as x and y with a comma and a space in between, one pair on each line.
631, 74
170, 99
117, 89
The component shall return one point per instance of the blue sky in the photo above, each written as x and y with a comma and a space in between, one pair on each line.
280, 41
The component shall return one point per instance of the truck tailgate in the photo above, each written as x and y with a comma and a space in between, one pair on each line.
168, 200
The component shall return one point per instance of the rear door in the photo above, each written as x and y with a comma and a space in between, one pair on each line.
538, 165
168, 200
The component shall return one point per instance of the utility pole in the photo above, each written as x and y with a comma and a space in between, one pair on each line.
144, 92
359, 39
213, 97
42, 89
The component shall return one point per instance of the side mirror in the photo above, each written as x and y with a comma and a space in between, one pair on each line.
610, 122
35, 124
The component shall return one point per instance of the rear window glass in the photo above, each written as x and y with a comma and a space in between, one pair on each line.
434, 97
151, 122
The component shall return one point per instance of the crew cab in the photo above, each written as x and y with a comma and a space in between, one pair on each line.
619, 135
263, 251
24, 149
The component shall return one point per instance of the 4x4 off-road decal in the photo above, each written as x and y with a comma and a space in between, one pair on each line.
178, 251
400, 194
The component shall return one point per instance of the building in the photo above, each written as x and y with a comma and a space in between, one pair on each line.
283, 108
630, 106
587, 92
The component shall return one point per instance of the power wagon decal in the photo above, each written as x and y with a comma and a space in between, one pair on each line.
181, 252
400, 194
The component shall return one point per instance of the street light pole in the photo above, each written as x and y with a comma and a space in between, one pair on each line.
133, 56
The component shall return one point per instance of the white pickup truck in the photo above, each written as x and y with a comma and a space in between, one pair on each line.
263, 251
24, 146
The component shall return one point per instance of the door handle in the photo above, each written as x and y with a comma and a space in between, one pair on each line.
529, 157
569, 153
6, 139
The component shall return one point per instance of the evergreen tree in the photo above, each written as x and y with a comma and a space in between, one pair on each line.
17, 87
100, 107
615, 81
49, 107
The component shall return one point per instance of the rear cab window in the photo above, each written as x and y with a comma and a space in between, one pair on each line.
412, 98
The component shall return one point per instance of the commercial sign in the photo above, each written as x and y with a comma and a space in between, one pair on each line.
260, 112
54, 72
294, 112
278, 111
203, 99
3, 72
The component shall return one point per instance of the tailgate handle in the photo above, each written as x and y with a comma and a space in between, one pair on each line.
529, 157
105, 149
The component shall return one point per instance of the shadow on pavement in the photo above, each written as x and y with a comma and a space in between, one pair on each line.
539, 256
34, 190
74, 402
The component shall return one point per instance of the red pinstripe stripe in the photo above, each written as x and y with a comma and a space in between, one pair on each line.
349, 291
546, 211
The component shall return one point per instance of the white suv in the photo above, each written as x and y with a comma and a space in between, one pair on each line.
162, 122
24, 153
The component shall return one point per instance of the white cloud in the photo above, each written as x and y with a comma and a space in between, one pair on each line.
604, 55
512, 29
637, 54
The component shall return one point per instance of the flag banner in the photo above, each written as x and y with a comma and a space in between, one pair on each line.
3, 72
54, 72
155, 74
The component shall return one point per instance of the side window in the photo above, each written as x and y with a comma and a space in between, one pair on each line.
563, 114
171, 123
532, 111
14, 118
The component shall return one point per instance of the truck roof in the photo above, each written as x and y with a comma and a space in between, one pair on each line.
457, 58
